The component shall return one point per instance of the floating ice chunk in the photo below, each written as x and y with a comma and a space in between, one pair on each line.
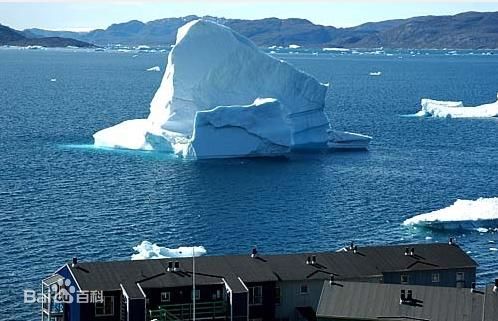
482, 230
142, 47
347, 140
463, 214
294, 46
155, 68
146, 250
236, 131
335, 49
375, 73
53, 80
494, 249
456, 109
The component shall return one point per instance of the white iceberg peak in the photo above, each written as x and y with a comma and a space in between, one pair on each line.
211, 95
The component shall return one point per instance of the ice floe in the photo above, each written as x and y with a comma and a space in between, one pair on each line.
456, 109
375, 73
155, 68
463, 214
147, 250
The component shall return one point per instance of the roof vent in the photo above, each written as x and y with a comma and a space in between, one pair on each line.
351, 246
75, 261
308, 260
332, 279
313, 259
176, 268
170, 266
472, 287
495, 288
407, 251
409, 296
451, 241
412, 252
254, 252
355, 249
402, 297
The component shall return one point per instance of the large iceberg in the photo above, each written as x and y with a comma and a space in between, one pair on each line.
463, 214
223, 97
456, 109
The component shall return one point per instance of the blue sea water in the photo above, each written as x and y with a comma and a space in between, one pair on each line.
60, 198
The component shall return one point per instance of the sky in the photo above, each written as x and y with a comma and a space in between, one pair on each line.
79, 16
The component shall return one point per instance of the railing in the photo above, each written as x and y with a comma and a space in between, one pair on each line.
176, 312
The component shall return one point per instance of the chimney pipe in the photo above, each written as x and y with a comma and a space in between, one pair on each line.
254, 252
351, 246
406, 251
412, 252
75, 261
332, 279
170, 266
409, 297
177, 266
308, 260
355, 249
472, 287
402, 297
313, 259
451, 241
495, 288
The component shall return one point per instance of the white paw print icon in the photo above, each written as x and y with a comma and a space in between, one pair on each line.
63, 291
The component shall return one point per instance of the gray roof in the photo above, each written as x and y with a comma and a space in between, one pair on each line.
368, 262
374, 301
491, 304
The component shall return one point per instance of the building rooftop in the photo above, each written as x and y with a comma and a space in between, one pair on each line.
364, 262
370, 301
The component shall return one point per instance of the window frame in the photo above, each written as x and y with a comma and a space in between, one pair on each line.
435, 277
165, 296
253, 296
104, 304
278, 295
197, 294
462, 279
407, 279
304, 286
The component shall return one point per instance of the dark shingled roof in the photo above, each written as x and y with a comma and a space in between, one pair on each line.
376, 301
368, 262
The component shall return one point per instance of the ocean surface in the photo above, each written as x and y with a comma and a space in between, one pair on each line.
60, 197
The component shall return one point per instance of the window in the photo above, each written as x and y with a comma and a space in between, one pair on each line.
460, 276
435, 277
197, 294
165, 296
404, 279
256, 295
277, 295
303, 289
105, 308
217, 295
